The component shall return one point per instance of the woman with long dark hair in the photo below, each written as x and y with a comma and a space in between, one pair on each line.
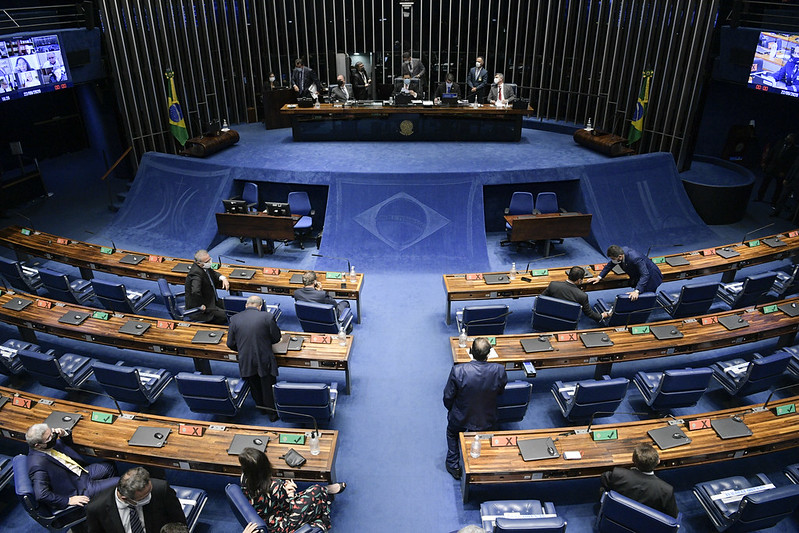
277, 501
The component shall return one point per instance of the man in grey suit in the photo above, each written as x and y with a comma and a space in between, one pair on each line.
500, 92
477, 82
339, 92
568, 290
413, 67
312, 292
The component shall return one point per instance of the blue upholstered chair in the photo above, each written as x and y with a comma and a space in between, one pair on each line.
175, 302
69, 370
751, 291
754, 511
547, 202
481, 320
619, 513
742, 378
521, 515
60, 520
192, 502
793, 364
792, 471
512, 403
321, 318
133, 384
115, 297
10, 363
242, 508
218, 395
250, 195
20, 276
579, 400
553, 314
521, 203
61, 287
626, 311
692, 299
314, 399
236, 304
673, 388
6, 471
787, 283
300, 204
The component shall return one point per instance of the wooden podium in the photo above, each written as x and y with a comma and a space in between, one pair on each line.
602, 142
206, 145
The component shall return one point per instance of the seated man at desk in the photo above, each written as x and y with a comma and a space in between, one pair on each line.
645, 276
201, 284
447, 87
60, 476
640, 483
408, 86
312, 292
339, 92
568, 290
501, 93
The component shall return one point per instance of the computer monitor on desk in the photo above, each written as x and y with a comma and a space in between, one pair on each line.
235, 206
277, 209
449, 100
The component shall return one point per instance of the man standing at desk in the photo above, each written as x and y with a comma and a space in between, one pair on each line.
470, 397
360, 81
302, 78
477, 82
413, 68
644, 275
568, 290
640, 483
252, 333
201, 284
501, 93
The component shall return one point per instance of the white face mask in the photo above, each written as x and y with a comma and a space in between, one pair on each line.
615, 261
478, 64
142, 502
271, 78
406, 81
207, 265
496, 80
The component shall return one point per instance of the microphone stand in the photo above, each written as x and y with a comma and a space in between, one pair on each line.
314, 441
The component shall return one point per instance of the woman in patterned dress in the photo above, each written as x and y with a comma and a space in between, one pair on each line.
277, 501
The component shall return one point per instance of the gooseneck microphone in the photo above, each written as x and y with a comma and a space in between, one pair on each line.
116, 403
228, 257
743, 241
349, 266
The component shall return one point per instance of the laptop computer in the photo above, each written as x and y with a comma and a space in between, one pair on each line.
242, 273
205, 336
449, 100
727, 252
296, 279
677, 260
403, 99
669, 437
134, 327
729, 428
74, 318
774, 242
732, 322
595, 340
150, 436
496, 279
790, 309
540, 344
17, 304
4, 400
286, 343
535, 449
61, 419
247, 441
131, 259
182, 268
663, 333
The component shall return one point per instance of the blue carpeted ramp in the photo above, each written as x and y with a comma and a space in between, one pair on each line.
402, 221
640, 202
171, 205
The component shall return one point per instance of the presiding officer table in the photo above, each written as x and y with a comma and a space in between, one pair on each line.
196, 450
89, 257
546, 226
466, 287
160, 335
335, 122
257, 226
504, 464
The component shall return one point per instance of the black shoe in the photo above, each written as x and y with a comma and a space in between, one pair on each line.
454, 472
273, 418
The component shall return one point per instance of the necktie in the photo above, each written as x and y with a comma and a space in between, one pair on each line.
500, 93
135, 524
346, 93
68, 461
302, 80
213, 285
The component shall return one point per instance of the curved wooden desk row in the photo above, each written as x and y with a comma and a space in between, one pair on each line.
89, 257
698, 334
206, 453
754, 252
505, 465
162, 336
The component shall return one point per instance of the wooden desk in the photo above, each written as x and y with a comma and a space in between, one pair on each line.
548, 226
505, 465
88, 257
258, 226
206, 454
459, 288
629, 347
175, 341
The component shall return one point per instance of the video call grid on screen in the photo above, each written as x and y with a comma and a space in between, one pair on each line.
31, 65
775, 67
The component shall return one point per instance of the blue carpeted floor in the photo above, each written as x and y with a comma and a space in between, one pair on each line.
391, 447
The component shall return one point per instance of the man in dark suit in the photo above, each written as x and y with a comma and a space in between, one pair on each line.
312, 292
302, 78
413, 67
645, 276
477, 82
640, 483
775, 166
361, 81
470, 397
252, 333
568, 290
135, 502
448, 86
59, 474
500, 92
201, 284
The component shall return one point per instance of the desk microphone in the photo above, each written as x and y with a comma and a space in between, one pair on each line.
605, 413
743, 241
766, 405
113, 247
349, 266
30, 222
314, 433
631, 313
119, 409
228, 257
648, 250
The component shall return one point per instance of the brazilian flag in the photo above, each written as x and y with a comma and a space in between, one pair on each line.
637, 124
176, 122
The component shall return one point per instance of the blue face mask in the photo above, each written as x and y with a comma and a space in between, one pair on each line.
406, 81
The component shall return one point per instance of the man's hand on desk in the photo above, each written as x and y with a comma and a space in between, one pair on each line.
593, 281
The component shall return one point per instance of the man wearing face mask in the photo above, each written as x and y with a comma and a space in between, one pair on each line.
645, 276
501, 93
477, 82
339, 92
302, 78
137, 504
408, 86
201, 284
60, 476
447, 87
413, 67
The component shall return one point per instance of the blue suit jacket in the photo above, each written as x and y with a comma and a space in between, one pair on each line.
53, 483
644, 275
252, 334
471, 393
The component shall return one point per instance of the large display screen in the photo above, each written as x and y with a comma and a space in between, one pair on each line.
32, 65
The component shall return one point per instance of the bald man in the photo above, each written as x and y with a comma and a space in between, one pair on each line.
252, 333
